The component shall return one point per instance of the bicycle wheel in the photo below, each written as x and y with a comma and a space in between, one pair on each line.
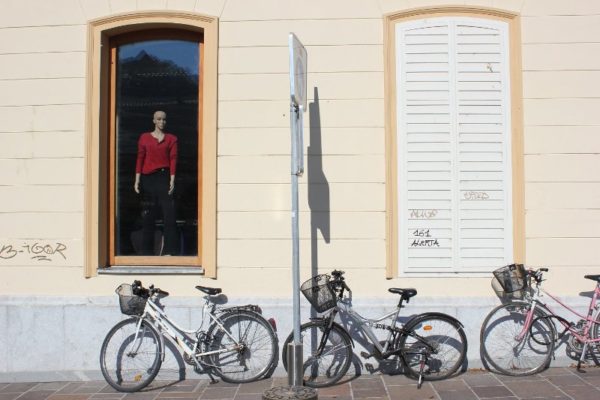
331, 364
434, 347
247, 352
595, 334
502, 348
131, 358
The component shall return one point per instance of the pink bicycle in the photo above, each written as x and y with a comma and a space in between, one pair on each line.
519, 336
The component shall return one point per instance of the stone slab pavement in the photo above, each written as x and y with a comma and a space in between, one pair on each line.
554, 383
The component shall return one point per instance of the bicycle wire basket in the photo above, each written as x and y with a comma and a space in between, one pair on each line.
130, 303
319, 293
510, 282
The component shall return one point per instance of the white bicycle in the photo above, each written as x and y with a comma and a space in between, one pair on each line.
239, 346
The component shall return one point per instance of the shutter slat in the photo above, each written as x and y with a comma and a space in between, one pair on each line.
481, 233
427, 67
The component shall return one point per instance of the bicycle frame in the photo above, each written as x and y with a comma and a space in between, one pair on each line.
366, 324
585, 336
154, 314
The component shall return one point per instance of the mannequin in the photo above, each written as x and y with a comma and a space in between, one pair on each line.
155, 180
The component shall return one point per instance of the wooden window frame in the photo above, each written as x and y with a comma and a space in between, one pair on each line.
100, 135
151, 34
516, 128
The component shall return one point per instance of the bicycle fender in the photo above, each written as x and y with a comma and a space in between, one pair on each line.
247, 307
434, 314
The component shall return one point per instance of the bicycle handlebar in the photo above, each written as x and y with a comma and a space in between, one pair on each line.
338, 282
139, 290
337, 273
537, 274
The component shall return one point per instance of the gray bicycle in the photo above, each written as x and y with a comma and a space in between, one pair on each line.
430, 346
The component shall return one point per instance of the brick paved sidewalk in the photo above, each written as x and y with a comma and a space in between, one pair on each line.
555, 384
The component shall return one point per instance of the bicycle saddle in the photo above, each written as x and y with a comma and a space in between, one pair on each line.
209, 291
406, 293
593, 277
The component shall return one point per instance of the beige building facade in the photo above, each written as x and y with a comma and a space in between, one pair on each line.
443, 140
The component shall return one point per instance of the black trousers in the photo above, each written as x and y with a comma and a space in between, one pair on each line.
155, 196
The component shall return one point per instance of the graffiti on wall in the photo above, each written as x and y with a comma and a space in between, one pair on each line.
35, 250
430, 234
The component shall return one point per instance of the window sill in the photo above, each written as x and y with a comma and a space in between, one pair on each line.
154, 270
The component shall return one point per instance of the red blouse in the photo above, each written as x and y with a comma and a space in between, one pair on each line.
153, 155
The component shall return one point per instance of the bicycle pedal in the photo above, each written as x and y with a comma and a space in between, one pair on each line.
366, 355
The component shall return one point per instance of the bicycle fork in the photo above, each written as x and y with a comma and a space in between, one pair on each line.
136, 340
527, 324
323, 341
327, 329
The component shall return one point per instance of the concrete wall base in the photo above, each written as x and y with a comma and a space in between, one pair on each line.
59, 338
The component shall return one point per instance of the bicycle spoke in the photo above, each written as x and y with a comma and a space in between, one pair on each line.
436, 347
130, 358
251, 348
326, 368
505, 352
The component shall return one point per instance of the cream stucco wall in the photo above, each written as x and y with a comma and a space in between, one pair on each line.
561, 83
42, 108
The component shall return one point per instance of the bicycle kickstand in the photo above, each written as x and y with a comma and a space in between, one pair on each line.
421, 367
200, 370
582, 358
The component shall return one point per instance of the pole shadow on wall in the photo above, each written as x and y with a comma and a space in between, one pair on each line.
318, 187
319, 201
320, 221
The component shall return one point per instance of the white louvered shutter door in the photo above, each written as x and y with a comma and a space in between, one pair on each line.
453, 136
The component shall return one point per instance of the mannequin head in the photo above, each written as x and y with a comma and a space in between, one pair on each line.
160, 120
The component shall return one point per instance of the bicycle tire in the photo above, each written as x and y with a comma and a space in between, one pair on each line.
256, 359
328, 368
126, 370
595, 334
504, 353
438, 331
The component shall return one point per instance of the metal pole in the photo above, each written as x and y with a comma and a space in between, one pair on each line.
295, 349
295, 390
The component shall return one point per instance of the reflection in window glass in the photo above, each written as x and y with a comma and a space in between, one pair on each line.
156, 75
